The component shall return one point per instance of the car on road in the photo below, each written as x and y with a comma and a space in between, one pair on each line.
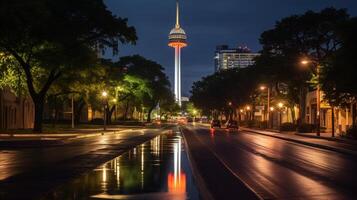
182, 121
215, 123
231, 124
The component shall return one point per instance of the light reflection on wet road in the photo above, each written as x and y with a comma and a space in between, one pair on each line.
277, 169
157, 169
16, 161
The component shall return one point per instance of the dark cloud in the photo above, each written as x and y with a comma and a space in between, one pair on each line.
207, 23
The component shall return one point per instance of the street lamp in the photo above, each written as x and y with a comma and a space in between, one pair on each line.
280, 105
104, 96
318, 107
262, 88
230, 110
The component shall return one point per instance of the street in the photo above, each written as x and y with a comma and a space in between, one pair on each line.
278, 169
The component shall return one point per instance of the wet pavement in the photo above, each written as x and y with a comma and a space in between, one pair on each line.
157, 169
279, 169
35, 171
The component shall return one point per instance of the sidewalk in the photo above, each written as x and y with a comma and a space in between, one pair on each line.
52, 139
327, 143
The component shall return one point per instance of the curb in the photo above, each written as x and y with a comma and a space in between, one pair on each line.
328, 138
339, 150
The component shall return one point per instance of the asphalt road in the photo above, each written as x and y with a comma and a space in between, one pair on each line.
279, 169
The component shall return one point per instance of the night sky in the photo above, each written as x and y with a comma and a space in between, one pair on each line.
207, 23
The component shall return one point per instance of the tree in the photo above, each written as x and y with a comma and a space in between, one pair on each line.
312, 35
224, 92
339, 75
152, 72
55, 37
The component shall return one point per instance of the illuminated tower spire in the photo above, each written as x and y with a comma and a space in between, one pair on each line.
177, 14
177, 40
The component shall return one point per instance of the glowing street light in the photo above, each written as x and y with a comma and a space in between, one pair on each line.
105, 95
272, 109
247, 108
262, 88
306, 62
280, 105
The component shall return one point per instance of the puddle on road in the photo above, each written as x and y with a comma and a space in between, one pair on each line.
157, 169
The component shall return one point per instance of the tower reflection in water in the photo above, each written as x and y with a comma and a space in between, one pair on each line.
176, 180
158, 168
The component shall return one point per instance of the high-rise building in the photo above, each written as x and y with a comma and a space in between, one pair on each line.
177, 40
227, 58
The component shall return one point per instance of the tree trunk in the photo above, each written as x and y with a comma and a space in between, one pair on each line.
293, 116
39, 103
149, 114
302, 105
78, 111
110, 113
126, 110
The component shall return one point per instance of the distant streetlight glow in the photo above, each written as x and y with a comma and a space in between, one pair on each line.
262, 87
248, 108
305, 62
280, 105
271, 108
104, 94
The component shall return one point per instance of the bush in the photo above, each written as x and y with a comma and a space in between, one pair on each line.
253, 124
306, 128
352, 132
97, 121
263, 124
287, 127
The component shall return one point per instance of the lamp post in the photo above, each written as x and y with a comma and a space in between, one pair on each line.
318, 100
271, 110
262, 88
230, 110
105, 95
248, 111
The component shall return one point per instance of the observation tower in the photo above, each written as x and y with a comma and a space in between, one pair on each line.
177, 40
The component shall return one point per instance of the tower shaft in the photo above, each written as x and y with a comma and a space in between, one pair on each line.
178, 75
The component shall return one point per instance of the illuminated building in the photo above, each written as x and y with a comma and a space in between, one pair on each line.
177, 40
227, 58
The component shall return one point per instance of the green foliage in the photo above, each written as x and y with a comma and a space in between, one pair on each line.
216, 91
157, 86
192, 110
52, 38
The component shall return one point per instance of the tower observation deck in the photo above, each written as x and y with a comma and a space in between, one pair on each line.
177, 40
